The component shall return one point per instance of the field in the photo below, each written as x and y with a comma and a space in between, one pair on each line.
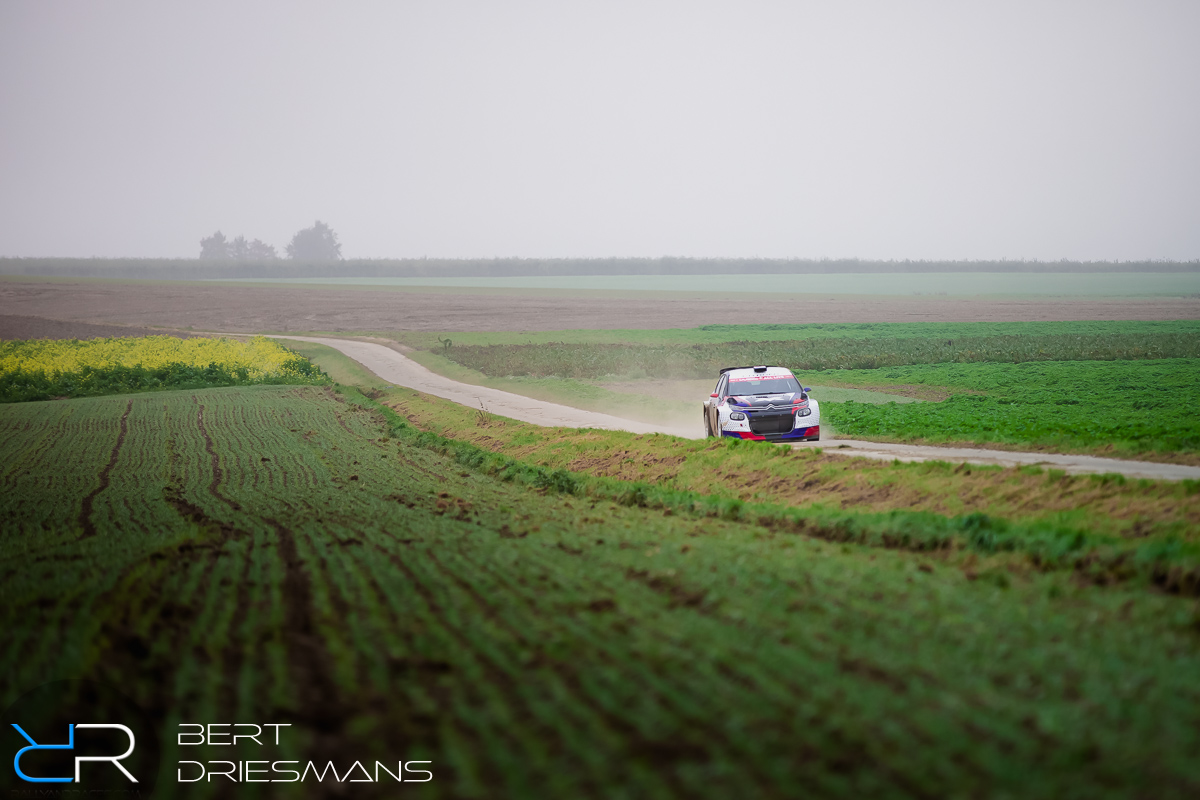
45, 368
789, 332
580, 613
279, 308
593, 361
1118, 284
20, 326
1125, 407
1119, 388
292, 553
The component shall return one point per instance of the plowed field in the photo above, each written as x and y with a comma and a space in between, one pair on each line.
256, 309
274, 554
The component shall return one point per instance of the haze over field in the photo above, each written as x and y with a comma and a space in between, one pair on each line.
879, 130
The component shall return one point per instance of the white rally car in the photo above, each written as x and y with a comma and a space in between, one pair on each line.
761, 403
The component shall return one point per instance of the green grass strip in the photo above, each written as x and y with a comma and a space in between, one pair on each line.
1170, 563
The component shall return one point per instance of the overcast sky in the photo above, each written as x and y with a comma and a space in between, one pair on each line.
876, 129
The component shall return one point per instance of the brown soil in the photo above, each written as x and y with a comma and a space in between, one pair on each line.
322, 308
13, 326
628, 466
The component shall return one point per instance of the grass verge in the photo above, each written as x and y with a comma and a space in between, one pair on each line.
1104, 528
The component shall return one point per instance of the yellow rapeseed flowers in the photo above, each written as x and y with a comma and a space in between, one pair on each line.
260, 357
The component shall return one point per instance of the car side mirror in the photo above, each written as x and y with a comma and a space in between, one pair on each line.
714, 394
806, 389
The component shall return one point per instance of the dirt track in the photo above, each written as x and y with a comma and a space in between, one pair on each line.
320, 308
1072, 464
394, 367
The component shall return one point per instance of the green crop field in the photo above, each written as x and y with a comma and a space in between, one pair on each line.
1129, 407
293, 554
595, 361
778, 332
1127, 388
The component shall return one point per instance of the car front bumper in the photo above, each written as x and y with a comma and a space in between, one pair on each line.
811, 432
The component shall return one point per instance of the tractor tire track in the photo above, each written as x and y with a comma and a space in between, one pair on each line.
319, 703
218, 474
85, 513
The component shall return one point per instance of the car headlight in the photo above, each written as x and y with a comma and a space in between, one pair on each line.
804, 412
737, 415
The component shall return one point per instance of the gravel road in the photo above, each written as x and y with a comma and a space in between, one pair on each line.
394, 367
1072, 464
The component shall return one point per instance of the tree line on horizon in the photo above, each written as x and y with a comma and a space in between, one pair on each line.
298, 266
316, 243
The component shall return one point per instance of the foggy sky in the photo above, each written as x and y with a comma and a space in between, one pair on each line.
878, 130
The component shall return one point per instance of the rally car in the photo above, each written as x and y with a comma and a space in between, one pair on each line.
761, 403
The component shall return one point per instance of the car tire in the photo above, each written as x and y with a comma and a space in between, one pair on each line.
707, 426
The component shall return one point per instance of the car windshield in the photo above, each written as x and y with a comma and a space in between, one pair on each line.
740, 387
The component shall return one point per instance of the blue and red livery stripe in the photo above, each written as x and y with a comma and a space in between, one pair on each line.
797, 433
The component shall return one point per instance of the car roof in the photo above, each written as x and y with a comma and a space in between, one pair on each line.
756, 373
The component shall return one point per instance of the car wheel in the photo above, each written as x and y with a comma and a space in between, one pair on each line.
708, 432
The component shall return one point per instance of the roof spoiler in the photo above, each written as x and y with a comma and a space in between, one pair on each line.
759, 368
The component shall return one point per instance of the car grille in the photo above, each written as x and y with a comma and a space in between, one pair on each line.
768, 422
